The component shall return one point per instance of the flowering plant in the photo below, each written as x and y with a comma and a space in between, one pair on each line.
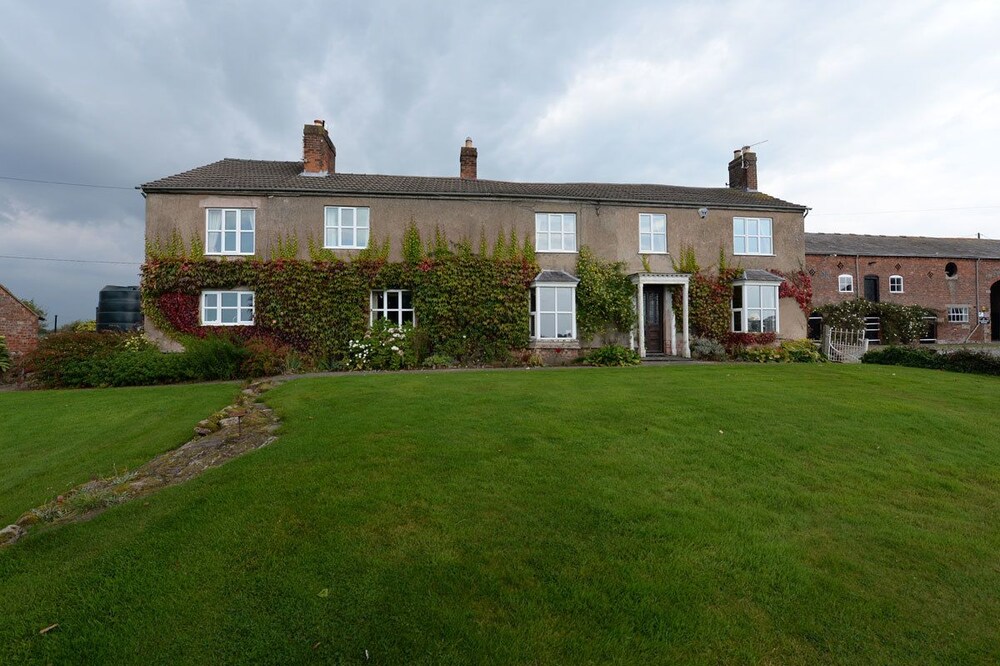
384, 346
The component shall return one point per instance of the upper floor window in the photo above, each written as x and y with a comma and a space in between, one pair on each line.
555, 232
652, 232
895, 284
845, 283
396, 305
229, 231
755, 307
227, 308
752, 235
345, 227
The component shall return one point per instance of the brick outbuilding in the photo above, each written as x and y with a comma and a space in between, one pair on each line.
18, 323
957, 278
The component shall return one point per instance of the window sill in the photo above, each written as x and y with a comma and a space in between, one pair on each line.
230, 254
563, 343
664, 253
217, 323
343, 247
752, 254
557, 252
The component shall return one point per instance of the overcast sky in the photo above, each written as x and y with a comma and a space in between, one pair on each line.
884, 117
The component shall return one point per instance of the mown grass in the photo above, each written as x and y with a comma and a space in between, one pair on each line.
51, 441
697, 514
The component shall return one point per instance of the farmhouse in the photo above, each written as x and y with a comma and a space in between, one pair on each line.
267, 211
957, 278
18, 323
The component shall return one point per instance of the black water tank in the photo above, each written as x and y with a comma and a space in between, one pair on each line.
119, 309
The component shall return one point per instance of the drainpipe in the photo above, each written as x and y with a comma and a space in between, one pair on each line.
857, 277
977, 286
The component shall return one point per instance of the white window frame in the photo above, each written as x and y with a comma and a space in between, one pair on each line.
743, 241
567, 238
845, 283
238, 233
396, 314
958, 314
895, 284
333, 221
213, 315
537, 313
744, 311
650, 235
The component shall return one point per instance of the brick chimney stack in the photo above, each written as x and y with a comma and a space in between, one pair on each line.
467, 160
743, 170
319, 155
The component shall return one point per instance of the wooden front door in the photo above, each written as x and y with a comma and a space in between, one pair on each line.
652, 306
871, 288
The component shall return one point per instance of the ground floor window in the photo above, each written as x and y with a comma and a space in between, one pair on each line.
396, 305
958, 314
845, 283
895, 284
755, 308
227, 308
553, 312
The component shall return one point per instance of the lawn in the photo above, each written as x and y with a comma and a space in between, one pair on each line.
51, 441
695, 514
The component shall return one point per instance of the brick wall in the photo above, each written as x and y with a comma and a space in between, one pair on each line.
924, 283
18, 324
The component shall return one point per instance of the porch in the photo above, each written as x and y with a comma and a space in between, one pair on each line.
656, 334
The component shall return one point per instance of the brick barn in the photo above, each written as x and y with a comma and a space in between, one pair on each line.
957, 278
18, 323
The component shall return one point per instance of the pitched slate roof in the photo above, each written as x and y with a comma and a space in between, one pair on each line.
902, 246
556, 276
259, 176
758, 275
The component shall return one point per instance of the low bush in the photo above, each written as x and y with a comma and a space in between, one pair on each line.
706, 349
215, 357
963, 360
736, 342
900, 324
762, 354
612, 355
383, 347
5, 361
439, 361
265, 357
801, 351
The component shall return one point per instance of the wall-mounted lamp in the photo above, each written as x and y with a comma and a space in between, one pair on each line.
703, 212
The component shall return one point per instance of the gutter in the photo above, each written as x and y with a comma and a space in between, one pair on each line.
473, 197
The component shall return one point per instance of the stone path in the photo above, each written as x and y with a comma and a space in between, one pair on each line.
242, 427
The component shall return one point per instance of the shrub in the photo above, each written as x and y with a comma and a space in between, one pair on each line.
384, 347
762, 354
439, 361
801, 351
5, 361
736, 342
707, 349
604, 297
913, 357
64, 359
612, 355
265, 357
901, 324
962, 360
215, 357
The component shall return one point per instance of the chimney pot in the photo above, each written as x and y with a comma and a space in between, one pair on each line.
467, 160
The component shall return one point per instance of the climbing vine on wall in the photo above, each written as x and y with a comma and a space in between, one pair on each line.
604, 297
472, 307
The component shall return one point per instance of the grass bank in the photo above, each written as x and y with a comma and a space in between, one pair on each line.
697, 514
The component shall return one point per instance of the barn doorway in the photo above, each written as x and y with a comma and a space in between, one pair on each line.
871, 288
